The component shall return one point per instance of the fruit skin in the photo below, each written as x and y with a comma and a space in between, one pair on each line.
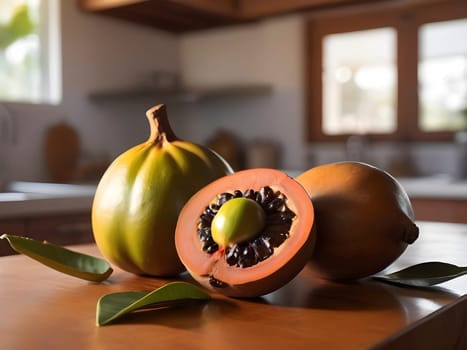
364, 219
139, 197
266, 276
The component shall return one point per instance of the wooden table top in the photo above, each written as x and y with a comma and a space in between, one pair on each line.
42, 308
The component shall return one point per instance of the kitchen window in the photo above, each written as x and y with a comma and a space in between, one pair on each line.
359, 85
30, 67
388, 71
442, 76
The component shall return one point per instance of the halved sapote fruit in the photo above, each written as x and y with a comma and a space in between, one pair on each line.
246, 234
364, 219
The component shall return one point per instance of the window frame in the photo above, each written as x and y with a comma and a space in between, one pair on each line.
406, 18
50, 56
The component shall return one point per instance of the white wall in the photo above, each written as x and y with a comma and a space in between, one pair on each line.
268, 52
97, 53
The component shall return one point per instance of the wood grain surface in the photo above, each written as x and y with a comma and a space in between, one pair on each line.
44, 309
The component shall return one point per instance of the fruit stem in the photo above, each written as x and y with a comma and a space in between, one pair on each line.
160, 128
411, 233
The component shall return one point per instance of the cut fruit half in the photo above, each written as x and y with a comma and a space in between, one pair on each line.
262, 263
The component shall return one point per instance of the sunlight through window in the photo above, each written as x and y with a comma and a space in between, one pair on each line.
443, 76
359, 82
30, 68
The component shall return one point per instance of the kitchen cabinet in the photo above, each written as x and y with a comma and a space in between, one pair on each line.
62, 229
440, 209
437, 198
188, 15
10, 226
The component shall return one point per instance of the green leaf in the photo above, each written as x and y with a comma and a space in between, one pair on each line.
424, 274
113, 306
19, 26
61, 259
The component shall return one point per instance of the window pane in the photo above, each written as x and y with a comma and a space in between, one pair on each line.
442, 75
29, 51
359, 82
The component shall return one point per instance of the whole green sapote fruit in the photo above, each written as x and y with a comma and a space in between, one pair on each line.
140, 195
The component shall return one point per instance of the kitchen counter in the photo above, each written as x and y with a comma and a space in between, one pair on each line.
435, 187
34, 198
23, 198
441, 186
43, 308
437, 198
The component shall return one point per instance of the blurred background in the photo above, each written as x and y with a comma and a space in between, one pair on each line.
284, 84
380, 81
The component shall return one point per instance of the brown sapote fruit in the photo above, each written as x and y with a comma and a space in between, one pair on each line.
246, 234
364, 219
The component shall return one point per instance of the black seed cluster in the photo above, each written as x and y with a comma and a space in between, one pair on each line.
217, 283
248, 253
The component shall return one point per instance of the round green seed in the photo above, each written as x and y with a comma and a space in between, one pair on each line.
239, 219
